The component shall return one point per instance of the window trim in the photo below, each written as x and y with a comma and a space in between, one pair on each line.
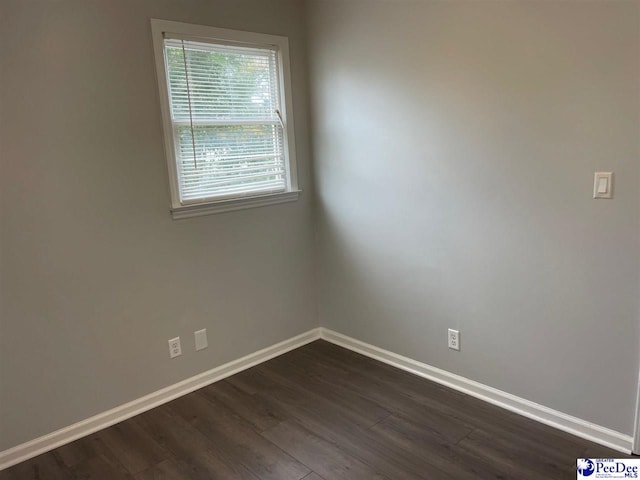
189, 31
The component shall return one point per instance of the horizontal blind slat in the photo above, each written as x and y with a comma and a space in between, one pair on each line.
260, 187
274, 177
232, 171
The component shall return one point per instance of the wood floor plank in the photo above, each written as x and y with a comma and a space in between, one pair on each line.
249, 381
321, 456
99, 468
172, 432
85, 449
133, 447
231, 435
166, 470
516, 457
294, 373
42, 467
292, 397
430, 448
202, 465
260, 415
357, 409
313, 476
76, 452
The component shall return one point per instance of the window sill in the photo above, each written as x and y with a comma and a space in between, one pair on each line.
188, 211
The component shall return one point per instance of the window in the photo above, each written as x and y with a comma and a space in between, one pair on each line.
225, 96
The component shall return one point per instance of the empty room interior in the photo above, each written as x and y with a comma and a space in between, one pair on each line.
319, 239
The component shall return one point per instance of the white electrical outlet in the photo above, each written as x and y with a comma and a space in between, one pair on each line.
201, 339
174, 347
454, 339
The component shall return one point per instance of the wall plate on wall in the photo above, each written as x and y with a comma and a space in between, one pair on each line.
603, 185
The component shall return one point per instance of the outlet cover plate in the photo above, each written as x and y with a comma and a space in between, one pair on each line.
175, 349
201, 339
603, 185
454, 339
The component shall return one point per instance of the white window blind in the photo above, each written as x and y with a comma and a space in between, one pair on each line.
225, 113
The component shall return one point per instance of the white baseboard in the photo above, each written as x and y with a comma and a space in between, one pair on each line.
90, 425
561, 421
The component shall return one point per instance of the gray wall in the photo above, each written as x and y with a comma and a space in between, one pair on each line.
455, 145
95, 275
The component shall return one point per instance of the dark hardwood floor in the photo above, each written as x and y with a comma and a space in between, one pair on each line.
319, 412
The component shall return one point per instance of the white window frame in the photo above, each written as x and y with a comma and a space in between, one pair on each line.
212, 34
